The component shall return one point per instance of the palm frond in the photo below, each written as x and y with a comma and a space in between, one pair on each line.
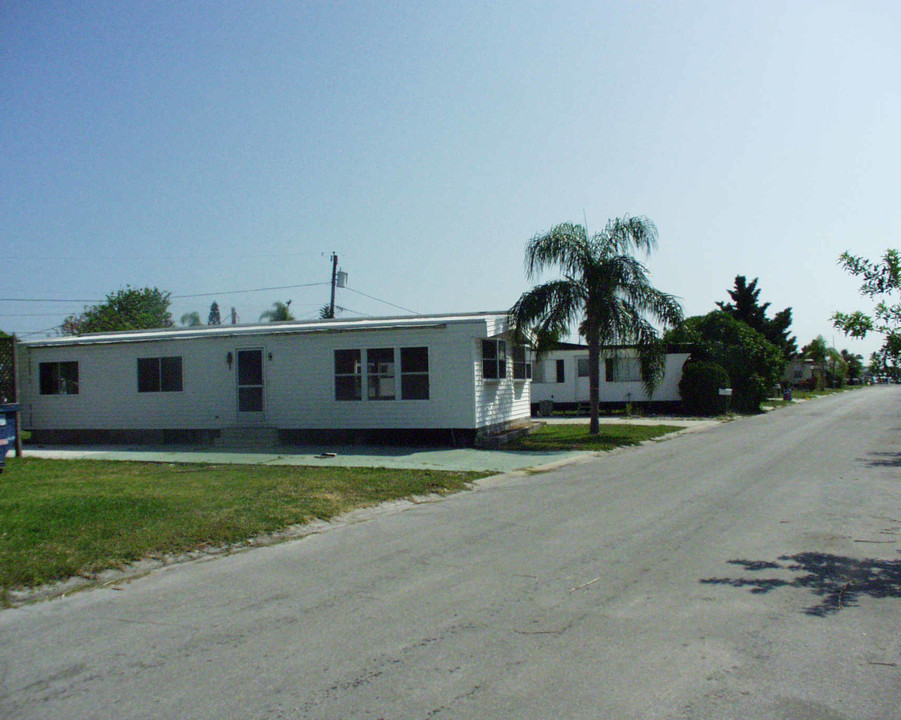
564, 246
606, 292
659, 306
652, 359
547, 310
628, 234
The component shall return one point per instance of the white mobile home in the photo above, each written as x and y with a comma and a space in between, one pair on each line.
453, 374
562, 376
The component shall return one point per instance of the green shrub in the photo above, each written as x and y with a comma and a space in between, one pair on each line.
754, 364
700, 388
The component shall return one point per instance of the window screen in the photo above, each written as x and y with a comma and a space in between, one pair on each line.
380, 374
58, 378
414, 373
348, 375
494, 359
159, 374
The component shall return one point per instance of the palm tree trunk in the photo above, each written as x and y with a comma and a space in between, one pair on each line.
594, 380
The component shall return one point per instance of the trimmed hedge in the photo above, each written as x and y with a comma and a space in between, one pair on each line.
700, 388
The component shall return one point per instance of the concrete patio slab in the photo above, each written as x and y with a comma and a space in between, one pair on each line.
465, 459
432, 458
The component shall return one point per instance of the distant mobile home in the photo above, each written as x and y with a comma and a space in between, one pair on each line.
454, 377
562, 376
801, 370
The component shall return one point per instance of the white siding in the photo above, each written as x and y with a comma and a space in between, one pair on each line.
498, 401
565, 392
575, 389
108, 397
299, 384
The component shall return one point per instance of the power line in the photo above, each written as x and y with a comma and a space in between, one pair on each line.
355, 312
316, 316
71, 300
197, 295
172, 297
371, 297
238, 292
159, 258
38, 332
56, 314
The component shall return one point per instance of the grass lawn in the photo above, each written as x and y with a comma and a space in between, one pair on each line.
798, 394
808, 394
61, 518
576, 436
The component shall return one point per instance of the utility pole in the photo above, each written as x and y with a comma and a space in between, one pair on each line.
14, 344
331, 307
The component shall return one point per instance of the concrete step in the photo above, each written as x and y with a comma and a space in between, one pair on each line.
247, 438
499, 439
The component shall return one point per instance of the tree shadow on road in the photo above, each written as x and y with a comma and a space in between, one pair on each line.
838, 581
883, 459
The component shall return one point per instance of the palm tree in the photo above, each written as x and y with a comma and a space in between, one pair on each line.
605, 292
280, 312
818, 352
191, 319
854, 364
839, 368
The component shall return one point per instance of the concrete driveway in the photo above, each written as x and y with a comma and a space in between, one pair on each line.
466, 459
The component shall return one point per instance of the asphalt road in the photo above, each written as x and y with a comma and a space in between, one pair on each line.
748, 571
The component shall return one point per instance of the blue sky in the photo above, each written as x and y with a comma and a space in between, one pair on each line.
212, 147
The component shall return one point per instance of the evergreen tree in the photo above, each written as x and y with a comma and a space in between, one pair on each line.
745, 306
215, 318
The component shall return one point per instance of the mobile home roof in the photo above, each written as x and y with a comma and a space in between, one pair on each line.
270, 328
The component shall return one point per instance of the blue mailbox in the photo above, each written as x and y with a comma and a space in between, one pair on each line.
8, 413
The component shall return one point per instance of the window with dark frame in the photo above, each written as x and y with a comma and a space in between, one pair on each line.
58, 378
414, 373
159, 374
348, 375
582, 367
380, 374
494, 359
561, 371
522, 368
622, 369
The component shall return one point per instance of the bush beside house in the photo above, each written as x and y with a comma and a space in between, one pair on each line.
753, 363
700, 388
